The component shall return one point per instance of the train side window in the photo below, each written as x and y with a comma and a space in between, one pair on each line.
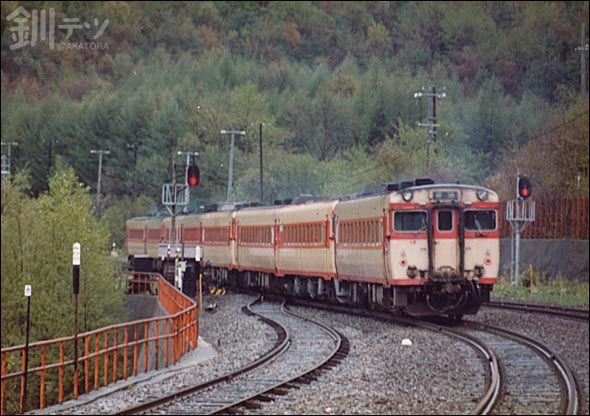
409, 221
445, 220
484, 220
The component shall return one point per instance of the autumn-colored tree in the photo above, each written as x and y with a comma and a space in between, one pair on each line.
556, 159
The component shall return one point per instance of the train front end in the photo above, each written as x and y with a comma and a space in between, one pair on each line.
444, 248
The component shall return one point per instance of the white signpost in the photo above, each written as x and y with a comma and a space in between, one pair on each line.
520, 212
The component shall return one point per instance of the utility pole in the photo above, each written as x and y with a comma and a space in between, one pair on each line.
134, 146
50, 153
100, 153
584, 64
261, 179
7, 160
231, 159
172, 238
262, 126
432, 124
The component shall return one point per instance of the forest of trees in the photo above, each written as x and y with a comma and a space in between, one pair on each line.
333, 83
37, 239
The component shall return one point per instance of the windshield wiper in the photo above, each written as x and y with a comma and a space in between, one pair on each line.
478, 226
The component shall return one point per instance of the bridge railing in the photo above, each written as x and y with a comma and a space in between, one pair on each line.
106, 355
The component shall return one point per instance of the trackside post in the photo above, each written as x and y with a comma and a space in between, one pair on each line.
76, 290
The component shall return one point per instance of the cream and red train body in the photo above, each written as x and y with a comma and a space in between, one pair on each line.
425, 249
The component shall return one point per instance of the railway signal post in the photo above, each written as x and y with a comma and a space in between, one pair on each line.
178, 194
520, 212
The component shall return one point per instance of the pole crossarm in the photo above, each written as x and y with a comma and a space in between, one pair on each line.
432, 124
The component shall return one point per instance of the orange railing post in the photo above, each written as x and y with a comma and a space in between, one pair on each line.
96, 359
61, 372
86, 364
115, 345
43, 373
125, 352
106, 357
3, 392
146, 334
135, 349
180, 335
166, 344
156, 343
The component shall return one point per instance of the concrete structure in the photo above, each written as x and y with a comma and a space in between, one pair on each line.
566, 257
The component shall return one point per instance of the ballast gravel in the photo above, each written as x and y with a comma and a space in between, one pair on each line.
237, 338
566, 337
434, 375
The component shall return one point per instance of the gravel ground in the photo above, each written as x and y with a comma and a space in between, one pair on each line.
237, 338
435, 375
566, 337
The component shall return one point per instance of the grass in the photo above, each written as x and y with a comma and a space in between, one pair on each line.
558, 291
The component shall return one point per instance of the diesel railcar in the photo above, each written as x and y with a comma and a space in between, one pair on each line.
416, 247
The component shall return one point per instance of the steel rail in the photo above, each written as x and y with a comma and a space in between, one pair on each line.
573, 313
281, 345
338, 352
571, 404
494, 380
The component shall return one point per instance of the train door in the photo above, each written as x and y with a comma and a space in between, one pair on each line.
276, 244
445, 243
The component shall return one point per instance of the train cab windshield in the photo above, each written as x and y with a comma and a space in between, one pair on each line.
410, 221
480, 220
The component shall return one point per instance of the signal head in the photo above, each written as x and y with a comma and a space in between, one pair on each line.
193, 175
523, 187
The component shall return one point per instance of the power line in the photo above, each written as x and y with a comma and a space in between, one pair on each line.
558, 127
381, 164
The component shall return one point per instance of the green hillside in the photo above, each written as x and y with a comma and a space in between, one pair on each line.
333, 82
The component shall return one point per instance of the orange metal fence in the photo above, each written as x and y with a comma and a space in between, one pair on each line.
565, 218
107, 354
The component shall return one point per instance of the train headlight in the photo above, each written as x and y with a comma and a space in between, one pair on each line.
407, 196
412, 272
478, 271
482, 195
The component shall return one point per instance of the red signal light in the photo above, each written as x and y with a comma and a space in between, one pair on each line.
193, 175
524, 187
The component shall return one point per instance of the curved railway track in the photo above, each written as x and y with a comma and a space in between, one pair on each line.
538, 383
493, 380
573, 313
522, 375
303, 350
